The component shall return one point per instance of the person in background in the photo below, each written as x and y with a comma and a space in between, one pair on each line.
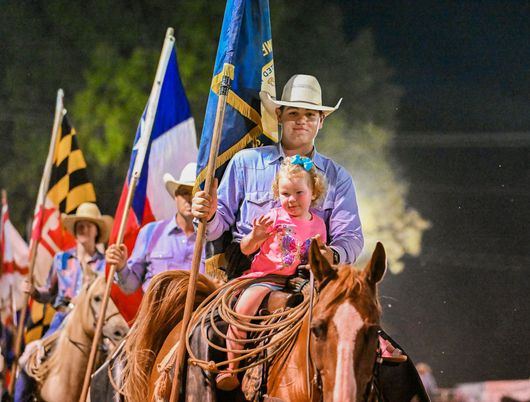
162, 245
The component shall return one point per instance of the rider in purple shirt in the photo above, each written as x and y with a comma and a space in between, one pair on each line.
245, 191
163, 245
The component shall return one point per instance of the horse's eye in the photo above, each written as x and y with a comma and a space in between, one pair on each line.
319, 329
97, 298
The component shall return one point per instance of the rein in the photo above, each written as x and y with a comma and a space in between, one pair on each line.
101, 346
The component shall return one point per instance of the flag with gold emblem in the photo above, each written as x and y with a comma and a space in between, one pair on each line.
245, 51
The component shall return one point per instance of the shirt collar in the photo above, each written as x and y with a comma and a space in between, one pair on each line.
96, 257
172, 226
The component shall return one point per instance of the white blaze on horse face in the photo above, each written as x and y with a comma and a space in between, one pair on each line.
348, 322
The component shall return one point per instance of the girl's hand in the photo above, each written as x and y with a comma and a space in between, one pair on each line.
261, 226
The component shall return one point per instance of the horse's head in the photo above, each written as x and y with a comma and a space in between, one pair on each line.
344, 325
89, 301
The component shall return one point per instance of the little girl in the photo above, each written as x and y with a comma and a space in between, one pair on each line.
283, 237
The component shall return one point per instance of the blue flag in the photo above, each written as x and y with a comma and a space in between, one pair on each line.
246, 46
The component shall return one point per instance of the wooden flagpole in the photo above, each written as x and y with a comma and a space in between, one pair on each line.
142, 144
201, 229
39, 208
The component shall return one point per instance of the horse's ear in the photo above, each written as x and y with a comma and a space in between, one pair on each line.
377, 266
318, 264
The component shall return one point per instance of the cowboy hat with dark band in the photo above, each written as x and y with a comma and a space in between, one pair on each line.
301, 91
89, 211
187, 179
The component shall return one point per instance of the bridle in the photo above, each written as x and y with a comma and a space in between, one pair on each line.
372, 390
84, 348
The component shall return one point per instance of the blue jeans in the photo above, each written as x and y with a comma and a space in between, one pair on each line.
25, 387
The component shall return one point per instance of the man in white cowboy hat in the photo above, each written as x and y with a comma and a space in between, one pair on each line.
245, 191
72, 268
162, 245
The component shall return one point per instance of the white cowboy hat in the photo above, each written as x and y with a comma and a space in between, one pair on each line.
88, 211
187, 179
301, 91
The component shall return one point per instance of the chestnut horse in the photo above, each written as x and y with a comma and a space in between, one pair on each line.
60, 376
344, 340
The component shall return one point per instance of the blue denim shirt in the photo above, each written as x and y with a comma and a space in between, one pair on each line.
245, 192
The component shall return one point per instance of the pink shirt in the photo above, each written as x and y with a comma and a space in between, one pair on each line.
288, 245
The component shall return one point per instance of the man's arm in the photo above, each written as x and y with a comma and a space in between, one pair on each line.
345, 231
48, 292
220, 209
130, 276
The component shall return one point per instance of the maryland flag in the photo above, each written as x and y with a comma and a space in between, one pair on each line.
64, 186
245, 46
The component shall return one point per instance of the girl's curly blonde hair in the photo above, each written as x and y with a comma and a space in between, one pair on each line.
316, 180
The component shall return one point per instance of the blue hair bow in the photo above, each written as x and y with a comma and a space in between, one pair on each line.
303, 161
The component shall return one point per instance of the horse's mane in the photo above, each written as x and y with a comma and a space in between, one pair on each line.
162, 308
59, 340
349, 284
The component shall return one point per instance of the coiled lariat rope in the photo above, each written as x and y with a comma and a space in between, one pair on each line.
275, 332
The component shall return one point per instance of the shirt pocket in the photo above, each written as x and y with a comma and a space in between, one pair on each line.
161, 260
256, 204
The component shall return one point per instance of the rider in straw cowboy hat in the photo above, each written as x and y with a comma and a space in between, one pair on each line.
241, 198
70, 270
162, 245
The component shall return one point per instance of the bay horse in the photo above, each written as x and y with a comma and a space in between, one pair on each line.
60, 376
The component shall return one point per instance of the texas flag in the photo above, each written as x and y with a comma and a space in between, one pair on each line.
171, 146
14, 265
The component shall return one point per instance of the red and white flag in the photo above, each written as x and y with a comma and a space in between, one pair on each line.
14, 265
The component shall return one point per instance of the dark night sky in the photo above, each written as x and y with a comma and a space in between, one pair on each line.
463, 142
